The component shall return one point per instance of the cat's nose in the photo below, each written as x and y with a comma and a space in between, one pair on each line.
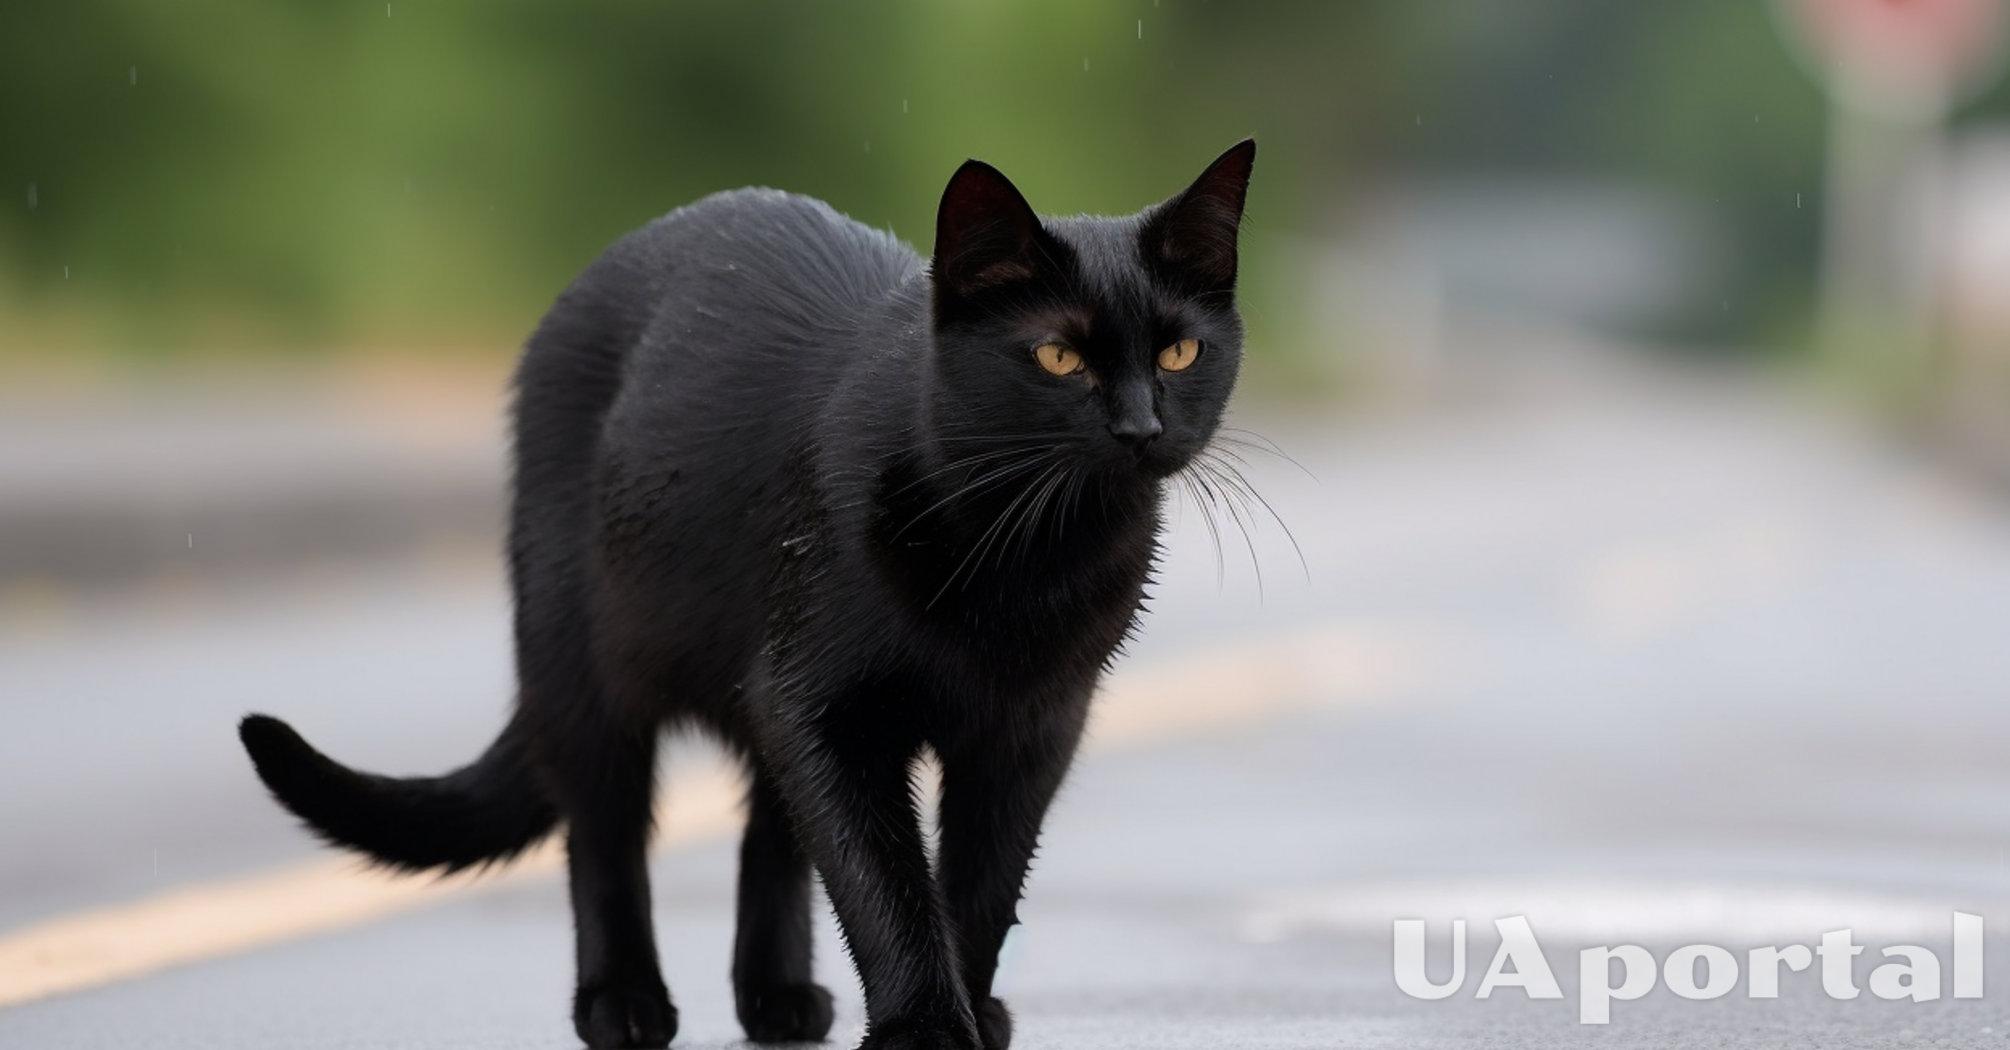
1136, 430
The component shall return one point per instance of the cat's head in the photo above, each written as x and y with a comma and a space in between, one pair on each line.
1110, 343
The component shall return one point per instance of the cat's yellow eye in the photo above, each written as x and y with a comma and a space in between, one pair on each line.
1058, 360
1179, 355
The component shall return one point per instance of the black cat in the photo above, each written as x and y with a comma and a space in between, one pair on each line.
776, 478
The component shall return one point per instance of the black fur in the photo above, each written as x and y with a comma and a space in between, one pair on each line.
489, 811
776, 479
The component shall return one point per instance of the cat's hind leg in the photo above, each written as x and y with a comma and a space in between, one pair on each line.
776, 1000
605, 787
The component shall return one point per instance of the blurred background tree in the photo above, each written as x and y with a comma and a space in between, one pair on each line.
308, 178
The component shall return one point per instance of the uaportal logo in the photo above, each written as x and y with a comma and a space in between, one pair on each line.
1696, 971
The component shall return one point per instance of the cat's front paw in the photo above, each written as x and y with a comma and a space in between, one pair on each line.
994, 1023
785, 1013
623, 1016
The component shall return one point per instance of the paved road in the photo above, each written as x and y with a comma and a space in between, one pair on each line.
1699, 665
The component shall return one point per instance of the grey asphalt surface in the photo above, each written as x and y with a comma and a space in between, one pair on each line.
1686, 634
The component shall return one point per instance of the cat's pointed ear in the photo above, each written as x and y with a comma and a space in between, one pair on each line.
1195, 233
985, 232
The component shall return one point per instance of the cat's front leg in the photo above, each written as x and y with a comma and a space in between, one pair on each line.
996, 787
846, 780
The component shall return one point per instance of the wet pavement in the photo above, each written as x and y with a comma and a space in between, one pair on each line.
1702, 664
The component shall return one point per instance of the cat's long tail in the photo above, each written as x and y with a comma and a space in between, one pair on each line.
488, 811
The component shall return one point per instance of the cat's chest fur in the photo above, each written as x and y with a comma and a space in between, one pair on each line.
847, 550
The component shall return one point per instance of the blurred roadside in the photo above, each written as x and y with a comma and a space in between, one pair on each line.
1707, 177
115, 482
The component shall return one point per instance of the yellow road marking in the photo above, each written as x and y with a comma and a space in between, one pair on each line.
1340, 663
223, 917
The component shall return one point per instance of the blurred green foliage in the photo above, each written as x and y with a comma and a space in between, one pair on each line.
346, 172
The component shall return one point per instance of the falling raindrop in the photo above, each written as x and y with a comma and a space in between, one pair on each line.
387, 10
1085, 64
1141, 29
903, 105
66, 273
1797, 201
33, 200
